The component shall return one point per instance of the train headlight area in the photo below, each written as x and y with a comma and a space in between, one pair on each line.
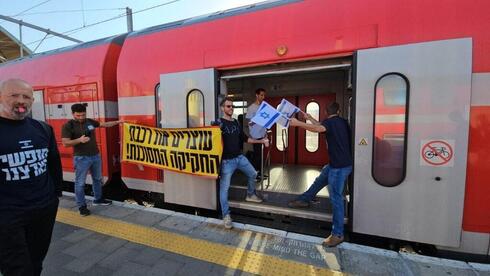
128, 239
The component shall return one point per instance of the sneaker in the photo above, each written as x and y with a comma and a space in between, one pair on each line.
333, 240
84, 211
298, 204
227, 222
253, 198
102, 202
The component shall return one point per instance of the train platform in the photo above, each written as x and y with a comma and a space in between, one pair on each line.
128, 239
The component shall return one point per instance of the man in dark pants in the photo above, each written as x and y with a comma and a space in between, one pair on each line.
255, 131
30, 182
335, 173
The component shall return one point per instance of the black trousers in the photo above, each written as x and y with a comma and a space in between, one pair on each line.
257, 157
24, 240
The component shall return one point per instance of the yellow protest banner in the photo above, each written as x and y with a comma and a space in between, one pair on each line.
194, 151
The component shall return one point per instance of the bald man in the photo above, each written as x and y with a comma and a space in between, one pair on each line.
30, 182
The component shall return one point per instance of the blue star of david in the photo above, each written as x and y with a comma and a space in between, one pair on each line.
264, 115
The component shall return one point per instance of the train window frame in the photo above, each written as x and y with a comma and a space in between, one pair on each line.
402, 176
281, 144
203, 107
279, 137
239, 108
158, 116
314, 133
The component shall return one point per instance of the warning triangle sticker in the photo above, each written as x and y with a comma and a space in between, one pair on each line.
363, 142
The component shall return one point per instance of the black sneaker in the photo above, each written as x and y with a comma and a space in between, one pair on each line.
102, 202
84, 211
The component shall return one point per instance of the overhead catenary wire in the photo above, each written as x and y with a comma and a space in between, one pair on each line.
106, 20
72, 11
35, 6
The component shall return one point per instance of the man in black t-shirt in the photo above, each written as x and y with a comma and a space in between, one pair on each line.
335, 173
79, 133
233, 159
30, 182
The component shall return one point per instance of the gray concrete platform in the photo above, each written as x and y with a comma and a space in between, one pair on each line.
77, 251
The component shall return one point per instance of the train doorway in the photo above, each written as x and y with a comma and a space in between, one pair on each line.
295, 156
298, 146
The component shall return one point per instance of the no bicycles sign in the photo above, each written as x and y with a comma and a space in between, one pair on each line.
438, 153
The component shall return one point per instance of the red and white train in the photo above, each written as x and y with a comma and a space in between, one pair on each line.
412, 77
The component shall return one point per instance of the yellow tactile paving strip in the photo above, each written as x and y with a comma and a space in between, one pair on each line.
228, 256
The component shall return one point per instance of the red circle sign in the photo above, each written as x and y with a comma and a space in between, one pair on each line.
437, 153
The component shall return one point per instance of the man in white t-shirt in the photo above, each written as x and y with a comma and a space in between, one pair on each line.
255, 131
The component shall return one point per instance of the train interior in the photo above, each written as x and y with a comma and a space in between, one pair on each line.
295, 156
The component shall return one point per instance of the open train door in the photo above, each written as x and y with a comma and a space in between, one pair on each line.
412, 107
187, 99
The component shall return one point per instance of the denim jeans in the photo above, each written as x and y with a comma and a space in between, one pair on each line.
228, 167
84, 164
335, 179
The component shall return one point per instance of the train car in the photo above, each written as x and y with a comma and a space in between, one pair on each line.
85, 74
411, 78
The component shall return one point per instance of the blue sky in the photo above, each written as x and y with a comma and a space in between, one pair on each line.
65, 15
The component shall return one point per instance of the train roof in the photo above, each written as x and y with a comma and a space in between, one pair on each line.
117, 39
213, 16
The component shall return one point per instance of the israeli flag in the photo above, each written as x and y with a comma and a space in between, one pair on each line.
287, 109
266, 116
283, 121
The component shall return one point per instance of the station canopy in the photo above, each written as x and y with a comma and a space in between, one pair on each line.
10, 46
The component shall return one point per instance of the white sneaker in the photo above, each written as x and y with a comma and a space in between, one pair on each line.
253, 198
227, 222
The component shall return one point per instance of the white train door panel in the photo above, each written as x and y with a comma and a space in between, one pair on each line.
178, 91
411, 138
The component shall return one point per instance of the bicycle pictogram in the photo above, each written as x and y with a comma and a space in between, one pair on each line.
437, 153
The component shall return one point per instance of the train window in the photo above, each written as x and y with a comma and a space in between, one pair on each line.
312, 138
390, 129
281, 137
195, 108
239, 108
159, 106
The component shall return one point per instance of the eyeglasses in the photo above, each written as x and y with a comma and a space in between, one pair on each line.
229, 106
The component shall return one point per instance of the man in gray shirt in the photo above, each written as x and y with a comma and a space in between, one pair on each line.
255, 131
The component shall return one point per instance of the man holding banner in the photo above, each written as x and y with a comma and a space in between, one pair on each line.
233, 159
79, 133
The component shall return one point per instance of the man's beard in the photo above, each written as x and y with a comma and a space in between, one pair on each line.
14, 113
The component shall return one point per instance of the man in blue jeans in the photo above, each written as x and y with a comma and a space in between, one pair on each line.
233, 159
335, 173
79, 133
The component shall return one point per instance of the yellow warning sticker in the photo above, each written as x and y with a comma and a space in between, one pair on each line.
363, 142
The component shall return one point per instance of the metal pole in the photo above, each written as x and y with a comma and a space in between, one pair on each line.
262, 167
20, 22
129, 18
21, 43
